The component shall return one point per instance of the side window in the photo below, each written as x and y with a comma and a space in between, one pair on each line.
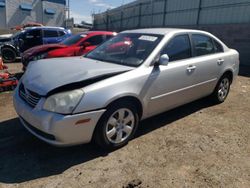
50, 33
33, 34
203, 45
95, 40
218, 47
178, 48
109, 37
61, 33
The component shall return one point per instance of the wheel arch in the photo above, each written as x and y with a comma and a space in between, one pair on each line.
8, 46
228, 73
128, 98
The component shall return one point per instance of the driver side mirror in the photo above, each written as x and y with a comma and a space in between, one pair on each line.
163, 60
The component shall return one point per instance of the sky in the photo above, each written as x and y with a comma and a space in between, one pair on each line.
81, 10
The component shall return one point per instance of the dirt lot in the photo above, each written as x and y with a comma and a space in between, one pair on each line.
197, 145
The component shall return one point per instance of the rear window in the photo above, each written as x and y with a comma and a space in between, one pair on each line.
203, 45
50, 33
109, 37
74, 39
96, 40
218, 47
61, 33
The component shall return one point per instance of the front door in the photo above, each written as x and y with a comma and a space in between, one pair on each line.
171, 85
31, 38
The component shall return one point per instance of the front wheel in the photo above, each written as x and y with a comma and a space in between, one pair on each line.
117, 126
8, 54
222, 90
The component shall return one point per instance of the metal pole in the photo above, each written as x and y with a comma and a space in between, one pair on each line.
6, 15
107, 21
139, 16
68, 10
164, 13
199, 12
152, 14
121, 23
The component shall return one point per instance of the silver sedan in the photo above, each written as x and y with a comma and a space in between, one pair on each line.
135, 75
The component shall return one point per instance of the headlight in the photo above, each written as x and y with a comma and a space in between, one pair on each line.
40, 56
63, 103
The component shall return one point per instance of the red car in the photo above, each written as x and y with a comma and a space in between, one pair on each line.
29, 24
76, 45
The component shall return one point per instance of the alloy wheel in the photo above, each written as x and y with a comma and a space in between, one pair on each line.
223, 89
120, 125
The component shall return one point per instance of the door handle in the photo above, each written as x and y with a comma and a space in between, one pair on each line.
191, 68
220, 61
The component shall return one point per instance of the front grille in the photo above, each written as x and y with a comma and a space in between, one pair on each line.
30, 97
39, 132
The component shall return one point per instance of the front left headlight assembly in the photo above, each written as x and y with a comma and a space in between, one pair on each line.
64, 103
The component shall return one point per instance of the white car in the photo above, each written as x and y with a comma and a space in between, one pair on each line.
133, 76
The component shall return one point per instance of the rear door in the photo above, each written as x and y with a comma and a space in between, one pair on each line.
50, 36
208, 60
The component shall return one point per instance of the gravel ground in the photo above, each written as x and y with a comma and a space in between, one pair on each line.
197, 145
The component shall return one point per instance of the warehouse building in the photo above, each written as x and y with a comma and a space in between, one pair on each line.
227, 19
17, 12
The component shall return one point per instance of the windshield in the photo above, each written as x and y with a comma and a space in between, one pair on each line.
74, 39
17, 34
129, 49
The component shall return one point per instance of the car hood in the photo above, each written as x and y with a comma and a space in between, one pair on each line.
5, 38
47, 75
42, 48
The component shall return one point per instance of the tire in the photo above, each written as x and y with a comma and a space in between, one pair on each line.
111, 131
12, 88
221, 90
8, 54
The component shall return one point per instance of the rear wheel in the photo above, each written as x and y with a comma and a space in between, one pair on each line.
117, 126
8, 54
222, 89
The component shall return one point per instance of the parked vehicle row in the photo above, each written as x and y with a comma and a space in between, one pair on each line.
7, 37
75, 45
137, 74
13, 47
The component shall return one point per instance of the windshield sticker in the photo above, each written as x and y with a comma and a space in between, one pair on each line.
148, 38
83, 36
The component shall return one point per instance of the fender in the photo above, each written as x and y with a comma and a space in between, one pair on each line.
8, 45
81, 84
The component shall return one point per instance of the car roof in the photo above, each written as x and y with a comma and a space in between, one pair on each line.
44, 27
160, 31
99, 32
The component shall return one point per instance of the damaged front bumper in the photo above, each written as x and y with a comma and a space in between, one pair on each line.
56, 129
